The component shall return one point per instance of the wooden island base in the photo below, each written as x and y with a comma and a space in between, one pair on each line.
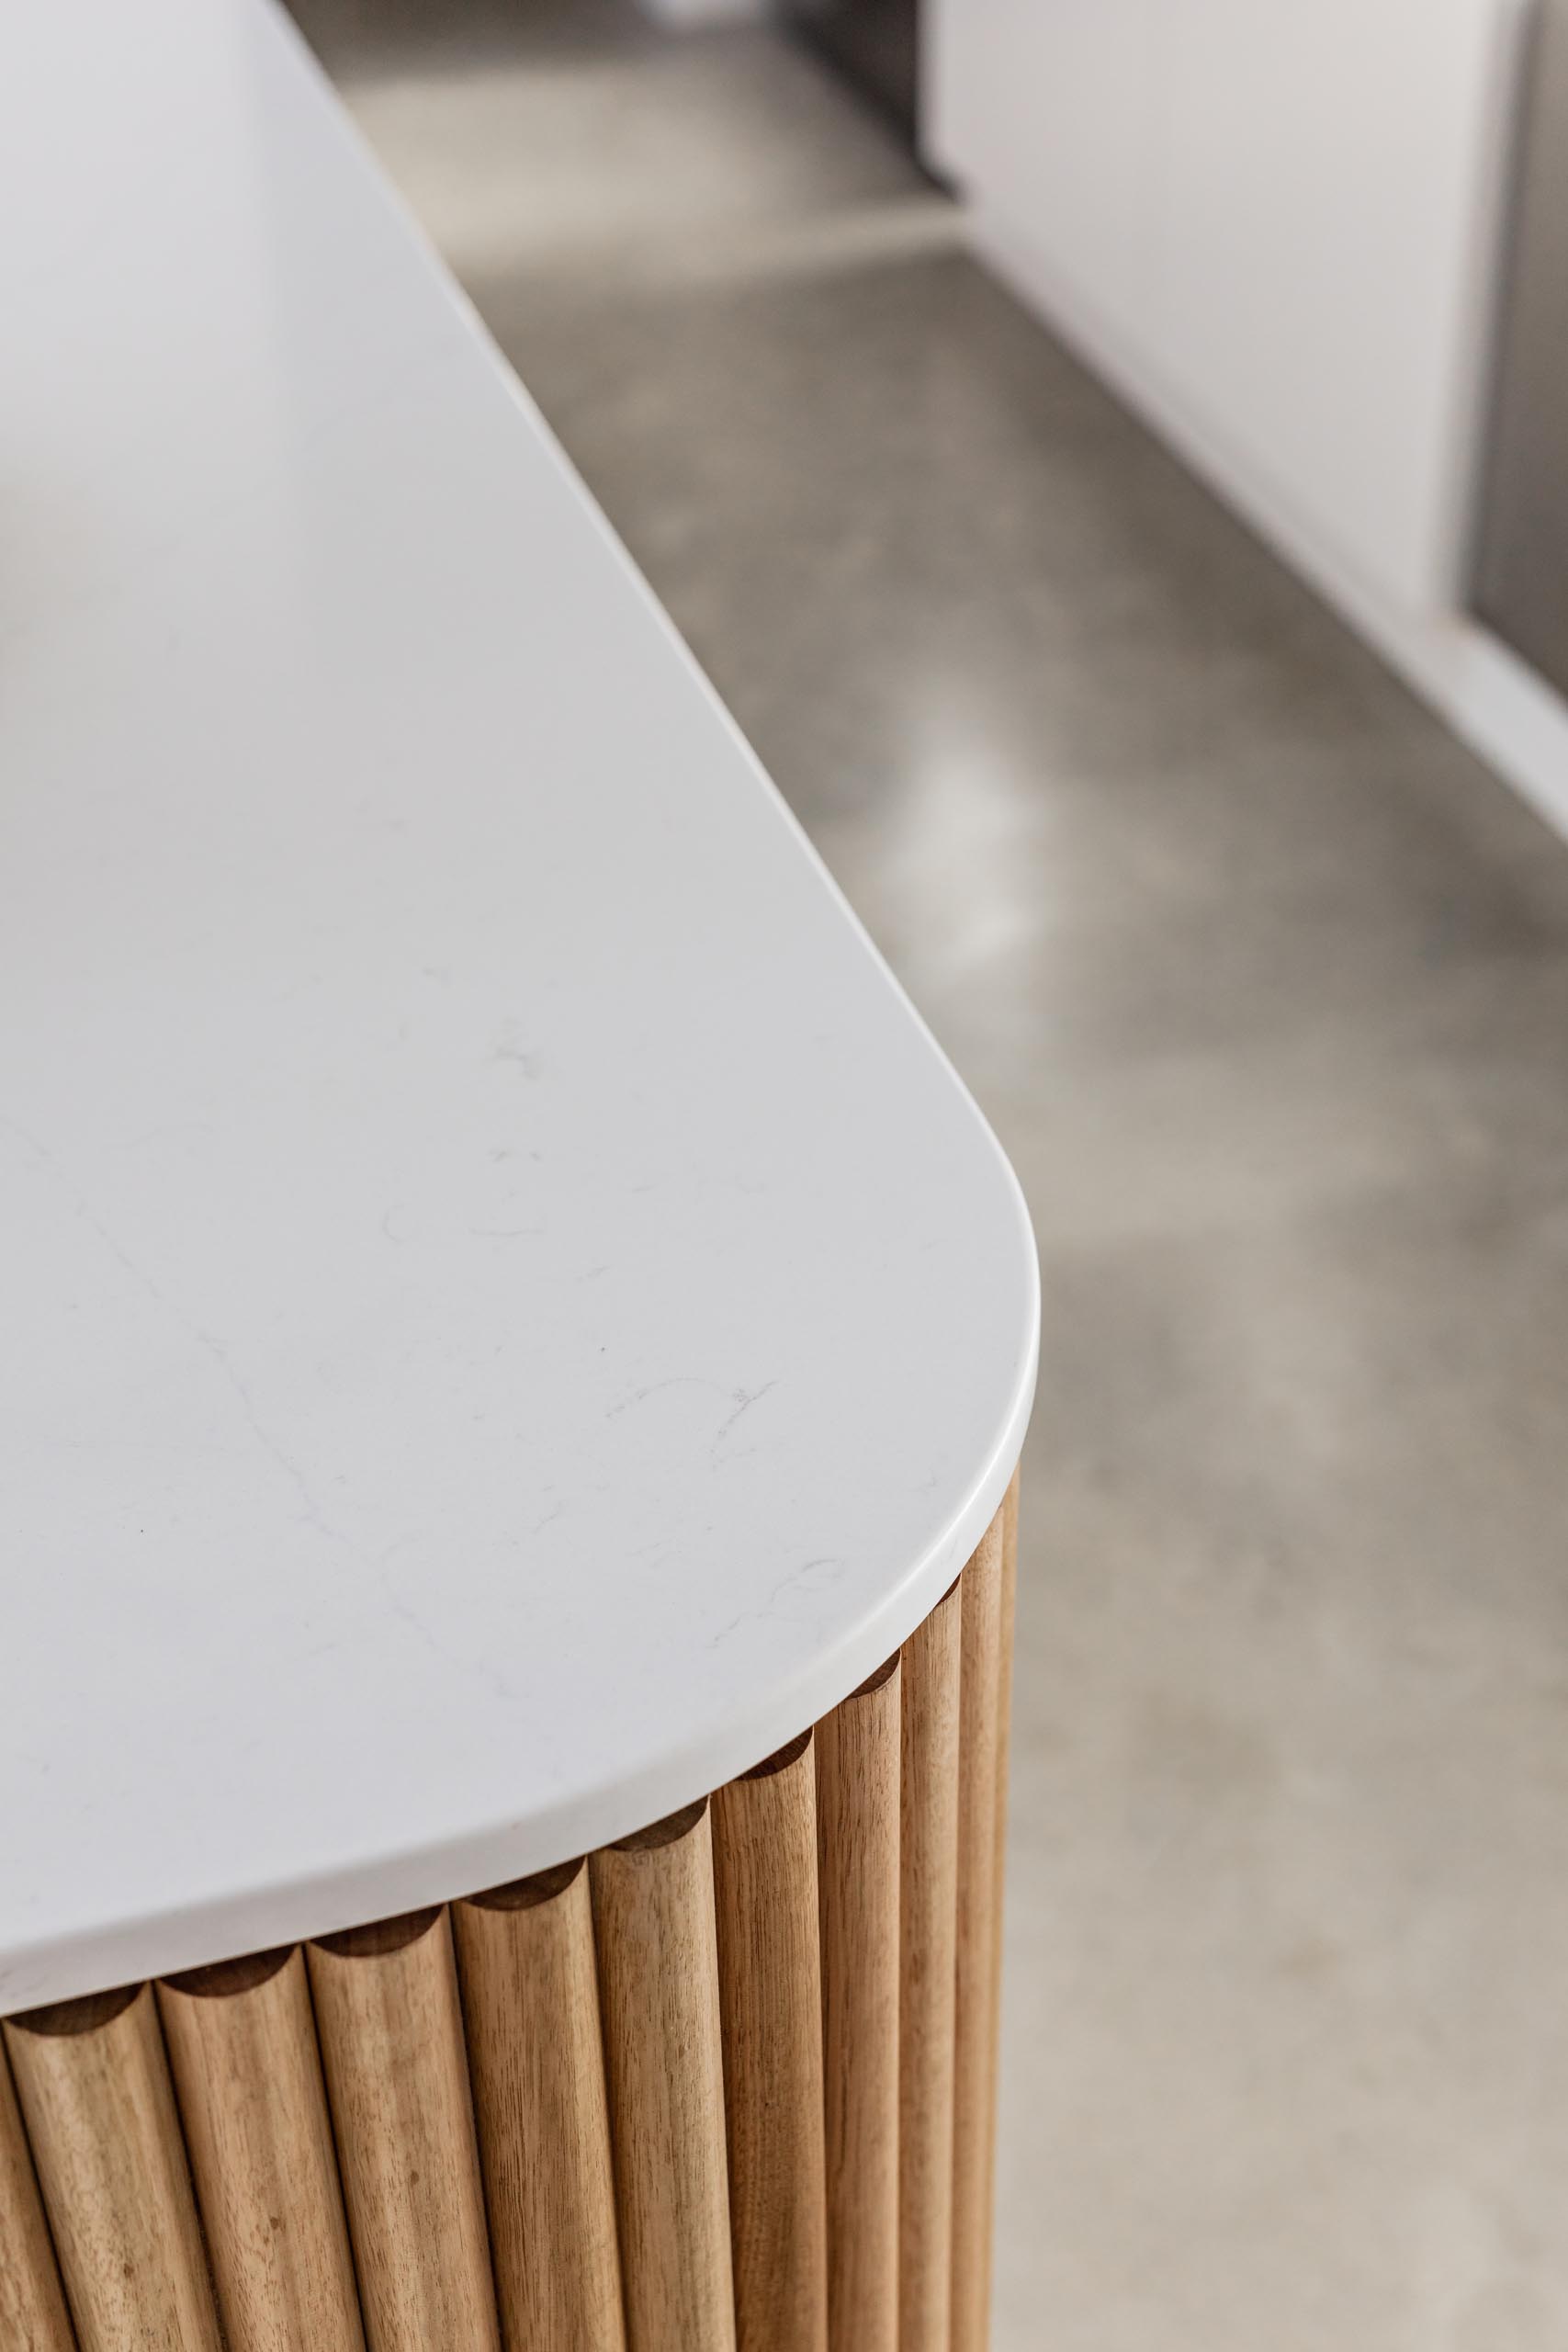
727, 2085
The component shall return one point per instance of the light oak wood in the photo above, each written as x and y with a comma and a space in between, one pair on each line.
535, 2056
858, 1776
929, 1905
1004, 1739
391, 2035
653, 1917
241, 2043
975, 1981
731, 2086
764, 1846
32, 2302
95, 2093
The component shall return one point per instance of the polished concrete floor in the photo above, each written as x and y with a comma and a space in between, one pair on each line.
1264, 983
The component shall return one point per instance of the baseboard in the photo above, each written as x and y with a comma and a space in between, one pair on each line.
1506, 712
1491, 700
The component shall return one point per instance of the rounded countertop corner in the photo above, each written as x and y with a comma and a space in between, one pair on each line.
510, 1315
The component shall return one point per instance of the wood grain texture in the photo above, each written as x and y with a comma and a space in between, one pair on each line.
764, 1846
32, 2302
1004, 1746
241, 2043
975, 1981
391, 2036
536, 2058
653, 1917
858, 1777
95, 2093
731, 2086
928, 1910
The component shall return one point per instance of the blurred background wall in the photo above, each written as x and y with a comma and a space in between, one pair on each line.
1295, 237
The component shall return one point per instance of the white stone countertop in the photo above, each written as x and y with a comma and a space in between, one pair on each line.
507, 1314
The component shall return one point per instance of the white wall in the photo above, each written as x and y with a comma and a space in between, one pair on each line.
1271, 223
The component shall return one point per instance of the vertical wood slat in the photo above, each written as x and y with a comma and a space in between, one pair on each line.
94, 2091
828, 1937
770, 2007
242, 2044
391, 2035
858, 1780
978, 1922
927, 1883
654, 1924
535, 2057
32, 2301
1004, 1745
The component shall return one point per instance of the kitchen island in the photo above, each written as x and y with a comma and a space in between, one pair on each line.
517, 1345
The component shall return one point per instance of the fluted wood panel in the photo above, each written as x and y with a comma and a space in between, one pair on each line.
241, 2043
978, 1924
729, 2087
770, 2000
535, 2054
858, 1777
32, 2302
1004, 1731
929, 1897
95, 2093
653, 1916
391, 2035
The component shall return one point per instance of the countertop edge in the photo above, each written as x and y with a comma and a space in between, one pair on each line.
291, 1911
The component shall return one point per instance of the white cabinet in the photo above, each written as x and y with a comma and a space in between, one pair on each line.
1274, 218
1046, 110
